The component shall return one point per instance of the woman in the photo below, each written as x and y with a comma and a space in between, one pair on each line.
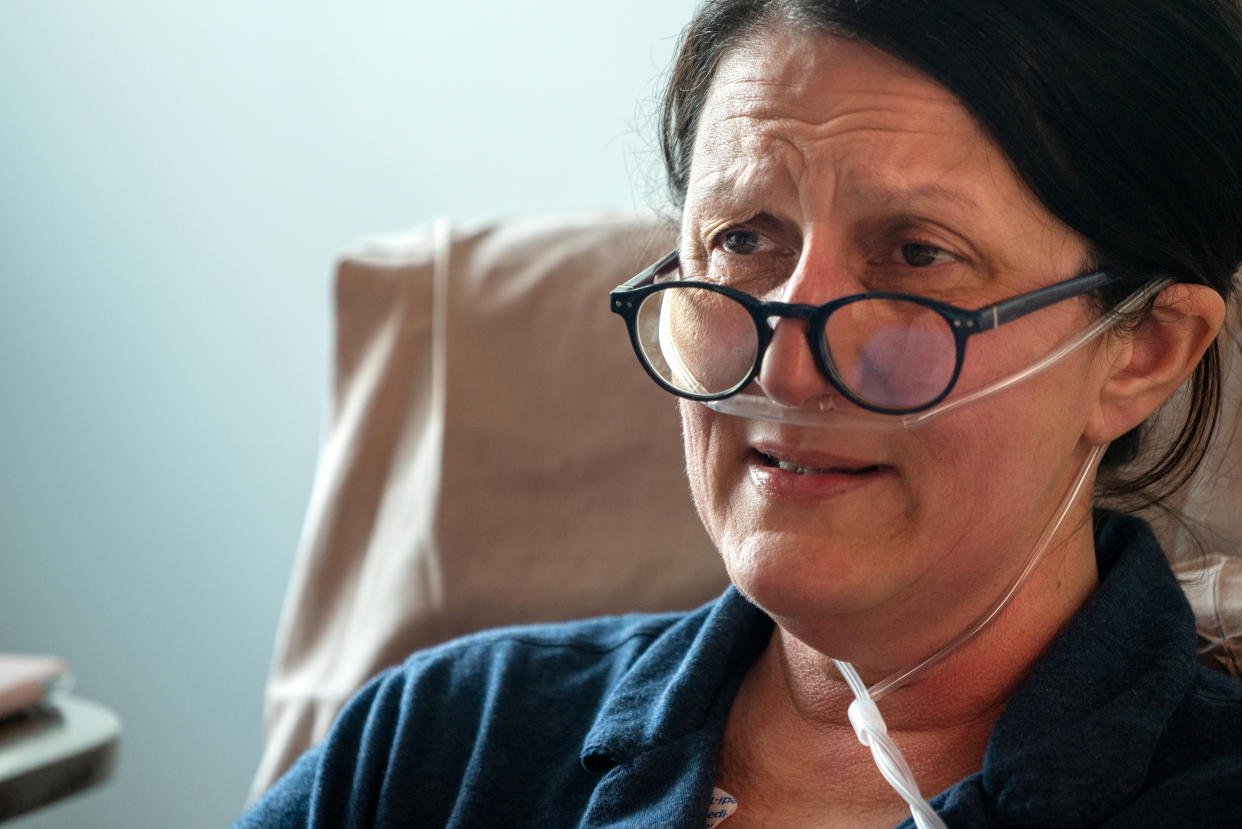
898, 501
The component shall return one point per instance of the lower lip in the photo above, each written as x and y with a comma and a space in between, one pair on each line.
814, 486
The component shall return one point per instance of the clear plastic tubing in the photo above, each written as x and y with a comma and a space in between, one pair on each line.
903, 677
760, 407
865, 716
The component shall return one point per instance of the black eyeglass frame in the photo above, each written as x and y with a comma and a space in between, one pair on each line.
625, 300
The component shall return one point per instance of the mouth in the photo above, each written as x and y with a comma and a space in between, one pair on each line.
805, 469
809, 462
810, 476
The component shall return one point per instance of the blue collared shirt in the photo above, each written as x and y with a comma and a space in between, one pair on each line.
618, 723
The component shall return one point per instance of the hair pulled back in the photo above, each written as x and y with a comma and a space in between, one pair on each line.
1123, 118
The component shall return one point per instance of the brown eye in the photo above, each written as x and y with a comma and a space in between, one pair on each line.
741, 241
921, 256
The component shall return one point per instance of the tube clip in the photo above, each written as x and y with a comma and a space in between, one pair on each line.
865, 717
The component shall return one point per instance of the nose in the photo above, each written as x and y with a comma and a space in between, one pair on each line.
788, 374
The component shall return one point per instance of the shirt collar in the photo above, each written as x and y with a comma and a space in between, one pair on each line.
1072, 746
686, 680
1075, 742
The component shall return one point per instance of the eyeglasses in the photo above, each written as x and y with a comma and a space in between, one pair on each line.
889, 353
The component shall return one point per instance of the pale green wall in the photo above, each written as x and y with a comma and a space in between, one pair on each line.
174, 180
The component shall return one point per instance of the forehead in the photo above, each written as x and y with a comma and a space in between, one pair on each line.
813, 116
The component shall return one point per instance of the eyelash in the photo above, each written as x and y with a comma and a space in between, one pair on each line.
923, 243
720, 240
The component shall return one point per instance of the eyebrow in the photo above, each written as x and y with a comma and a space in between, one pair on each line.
918, 194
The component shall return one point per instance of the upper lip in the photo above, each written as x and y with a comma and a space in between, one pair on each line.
811, 458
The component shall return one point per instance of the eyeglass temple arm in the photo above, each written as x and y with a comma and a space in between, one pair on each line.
1101, 325
1011, 309
649, 275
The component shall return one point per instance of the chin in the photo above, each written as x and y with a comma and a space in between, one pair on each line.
791, 576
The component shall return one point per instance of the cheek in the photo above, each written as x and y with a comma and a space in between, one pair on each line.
986, 472
958, 473
713, 445
1012, 448
971, 489
694, 441
1019, 345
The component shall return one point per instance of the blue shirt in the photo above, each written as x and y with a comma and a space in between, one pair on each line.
618, 722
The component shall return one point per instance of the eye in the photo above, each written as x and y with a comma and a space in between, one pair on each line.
922, 255
740, 241
747, 257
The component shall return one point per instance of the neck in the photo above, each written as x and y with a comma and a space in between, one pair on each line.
789, 731
972, 682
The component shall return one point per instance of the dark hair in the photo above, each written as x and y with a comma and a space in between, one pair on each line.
1123, 118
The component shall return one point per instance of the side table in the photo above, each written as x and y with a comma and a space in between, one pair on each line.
60, 748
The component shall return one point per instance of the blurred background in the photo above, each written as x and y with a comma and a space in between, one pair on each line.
175, 181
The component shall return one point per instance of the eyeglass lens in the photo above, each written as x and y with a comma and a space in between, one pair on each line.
890, 353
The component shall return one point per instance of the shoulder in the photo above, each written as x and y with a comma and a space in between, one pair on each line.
599, 649
605, 634
479, 720
1206, 725
478, 674
1196, 771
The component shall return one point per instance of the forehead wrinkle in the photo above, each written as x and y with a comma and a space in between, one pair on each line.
734, 159
767, 125
915, 197
869, 183
798, 97
770, 102
838, 139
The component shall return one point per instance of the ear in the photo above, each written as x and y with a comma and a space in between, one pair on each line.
1148, 365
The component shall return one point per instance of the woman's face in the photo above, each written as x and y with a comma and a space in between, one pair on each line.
824, 167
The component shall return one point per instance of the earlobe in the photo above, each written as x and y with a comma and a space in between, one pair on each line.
1149, 364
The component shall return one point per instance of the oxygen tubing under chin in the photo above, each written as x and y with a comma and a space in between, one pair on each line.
865, 715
